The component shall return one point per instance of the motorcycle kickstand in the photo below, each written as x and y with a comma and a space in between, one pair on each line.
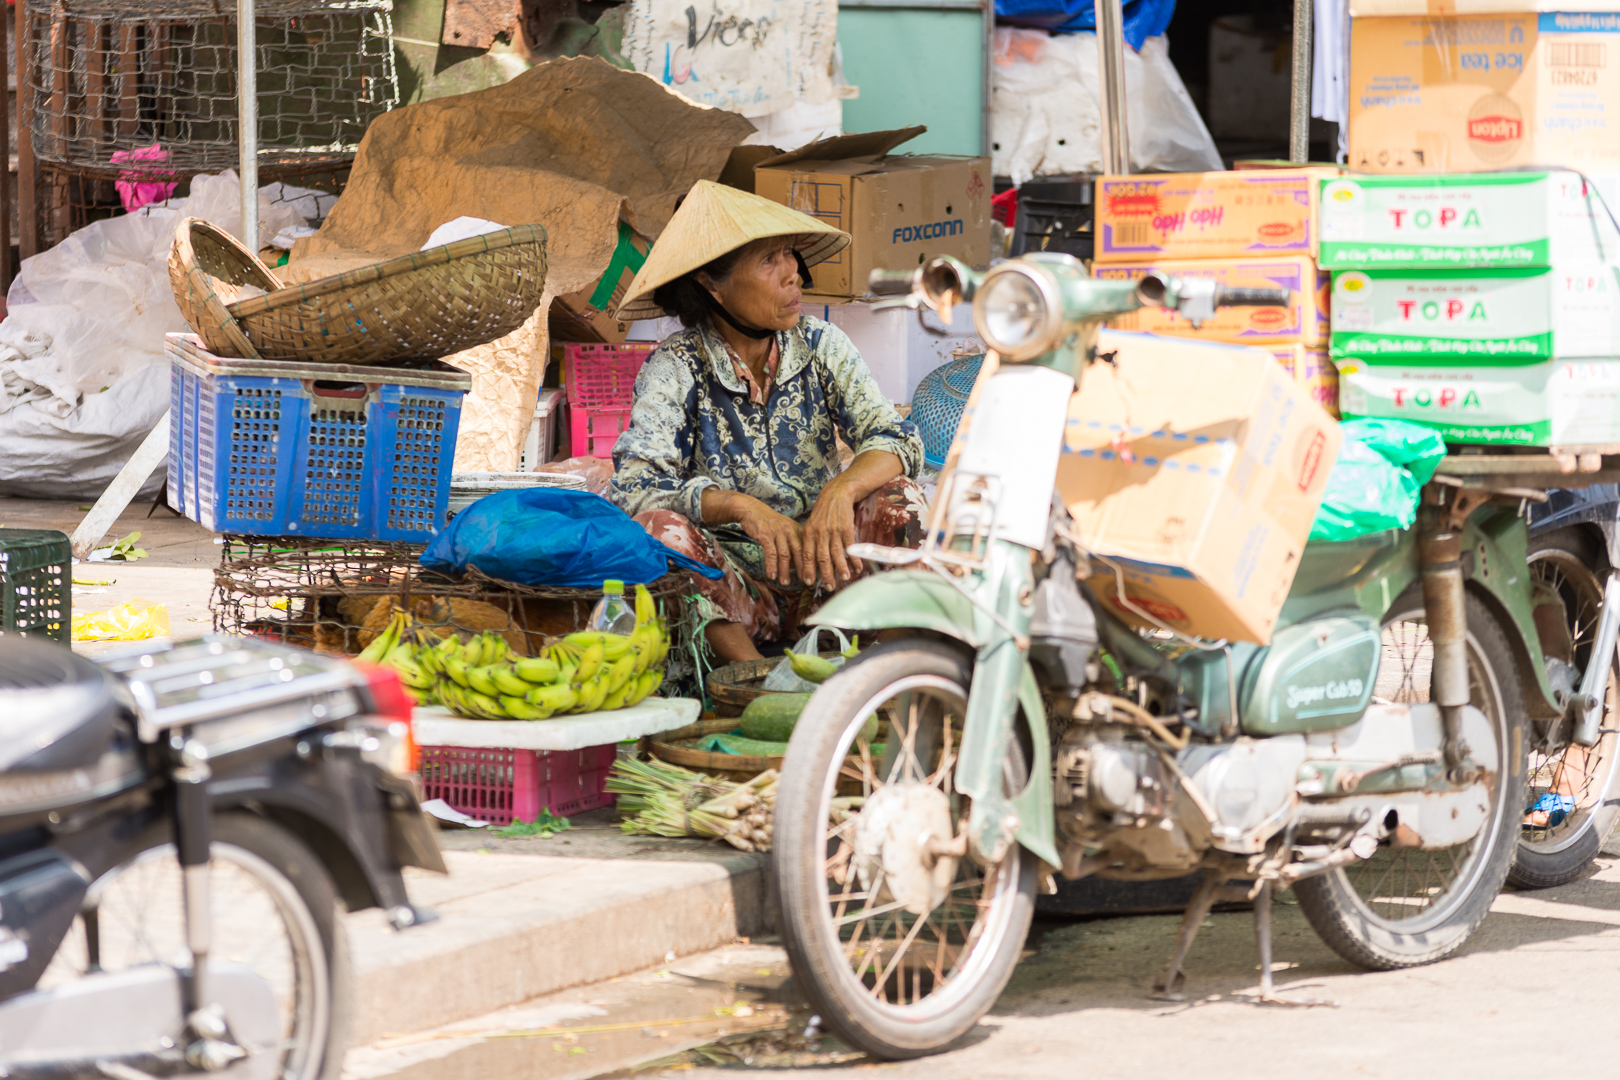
1171, 985
1262, 938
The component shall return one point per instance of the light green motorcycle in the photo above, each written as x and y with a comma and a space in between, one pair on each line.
1372, 757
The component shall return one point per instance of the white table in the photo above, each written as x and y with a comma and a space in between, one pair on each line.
437, 726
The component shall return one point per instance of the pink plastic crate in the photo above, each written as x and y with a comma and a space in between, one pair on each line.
603, 376
502, 786
593, 431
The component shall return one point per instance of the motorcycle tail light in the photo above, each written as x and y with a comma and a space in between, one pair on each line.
393, 707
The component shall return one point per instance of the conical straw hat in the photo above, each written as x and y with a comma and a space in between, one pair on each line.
713, 220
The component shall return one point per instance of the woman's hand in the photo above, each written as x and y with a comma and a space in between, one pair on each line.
828, 532
779, 537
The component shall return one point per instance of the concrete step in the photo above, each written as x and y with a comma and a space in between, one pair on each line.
515, 925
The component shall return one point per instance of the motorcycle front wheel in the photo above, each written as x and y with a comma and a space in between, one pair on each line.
900, 950
1409, 906
1555, 846
274, 908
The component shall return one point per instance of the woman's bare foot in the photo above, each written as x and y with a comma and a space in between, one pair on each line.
731, 642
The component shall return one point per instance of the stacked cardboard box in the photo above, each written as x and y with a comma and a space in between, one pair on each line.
1249, 229
1485, 305
1474, 85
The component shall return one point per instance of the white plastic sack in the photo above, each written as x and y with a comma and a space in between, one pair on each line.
83, 376
1046, 119
783, 679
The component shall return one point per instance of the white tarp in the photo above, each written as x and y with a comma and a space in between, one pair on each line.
752, 57
83, 376
1045, 119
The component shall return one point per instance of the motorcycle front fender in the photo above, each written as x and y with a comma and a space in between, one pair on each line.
919, 599
898, 599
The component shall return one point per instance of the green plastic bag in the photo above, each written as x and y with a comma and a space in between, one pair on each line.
1374, 486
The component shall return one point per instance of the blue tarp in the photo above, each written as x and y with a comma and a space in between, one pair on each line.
1143, 18
550, 536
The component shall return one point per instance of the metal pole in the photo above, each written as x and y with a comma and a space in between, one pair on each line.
247, 122
1116, 142
1299, 111
989, 9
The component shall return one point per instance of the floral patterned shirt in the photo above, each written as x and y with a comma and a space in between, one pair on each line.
693, 425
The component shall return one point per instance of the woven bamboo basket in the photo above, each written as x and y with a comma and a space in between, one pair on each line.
674, 748
204, 261
422, 306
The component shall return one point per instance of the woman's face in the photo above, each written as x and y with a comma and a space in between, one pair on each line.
763, 287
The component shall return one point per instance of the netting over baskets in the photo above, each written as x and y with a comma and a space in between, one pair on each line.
110, 78
337, 596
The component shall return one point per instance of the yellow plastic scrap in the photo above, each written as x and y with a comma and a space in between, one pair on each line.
134, 621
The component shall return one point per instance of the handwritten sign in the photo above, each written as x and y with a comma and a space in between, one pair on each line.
747, 56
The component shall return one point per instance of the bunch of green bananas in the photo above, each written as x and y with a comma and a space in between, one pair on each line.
403, 646
482, 678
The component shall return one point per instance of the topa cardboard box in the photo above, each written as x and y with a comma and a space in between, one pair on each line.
1218, 215
1304, 320
1494, 317
1472, 93
900, 210
586, 315
1553, 403
1468, 220
1195, 469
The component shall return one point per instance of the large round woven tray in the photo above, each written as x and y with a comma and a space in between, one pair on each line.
203, 261
422, 306
733, 686
667, 747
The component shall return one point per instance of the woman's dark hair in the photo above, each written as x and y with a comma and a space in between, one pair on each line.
686, 298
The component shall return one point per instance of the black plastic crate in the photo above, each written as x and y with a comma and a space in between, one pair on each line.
1055, 214
36, 583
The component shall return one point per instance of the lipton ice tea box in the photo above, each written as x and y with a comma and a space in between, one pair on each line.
1218, 215
1304, 319
1433, 92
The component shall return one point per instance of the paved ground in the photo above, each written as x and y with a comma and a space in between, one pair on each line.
1532, 994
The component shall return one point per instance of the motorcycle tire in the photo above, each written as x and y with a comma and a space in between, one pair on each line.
1571, 564
261, 874
955, 973
1353, 908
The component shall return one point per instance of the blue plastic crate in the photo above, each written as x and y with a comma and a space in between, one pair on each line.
289, 448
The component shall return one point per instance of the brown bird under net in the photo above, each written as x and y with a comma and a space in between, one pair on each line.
149, 91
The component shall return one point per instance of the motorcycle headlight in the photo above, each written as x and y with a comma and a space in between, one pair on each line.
1018, 311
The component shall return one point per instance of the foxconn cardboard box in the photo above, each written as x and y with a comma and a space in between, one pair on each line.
1503, 219
1431, 92
900, 210
1193, 471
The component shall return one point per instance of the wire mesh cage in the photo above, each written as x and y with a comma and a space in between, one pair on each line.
337, 597
149, 91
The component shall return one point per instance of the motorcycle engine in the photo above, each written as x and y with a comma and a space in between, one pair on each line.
1118, 800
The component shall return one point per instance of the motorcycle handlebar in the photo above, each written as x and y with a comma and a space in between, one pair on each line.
1225, 297
890, 282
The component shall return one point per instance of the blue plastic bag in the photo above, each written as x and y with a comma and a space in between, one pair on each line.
1143, 18
551, 536
1382, 467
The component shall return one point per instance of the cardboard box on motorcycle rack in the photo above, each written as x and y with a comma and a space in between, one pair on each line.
1193, 471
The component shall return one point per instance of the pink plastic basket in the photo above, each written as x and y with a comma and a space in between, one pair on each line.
593, 431
502, 786
603, 376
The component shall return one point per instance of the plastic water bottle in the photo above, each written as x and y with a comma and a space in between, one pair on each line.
612, 613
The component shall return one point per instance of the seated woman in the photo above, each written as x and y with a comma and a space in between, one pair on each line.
730, 455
